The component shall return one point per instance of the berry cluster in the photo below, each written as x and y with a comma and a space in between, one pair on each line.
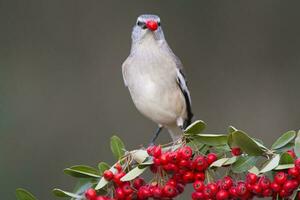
254, 186
174, 169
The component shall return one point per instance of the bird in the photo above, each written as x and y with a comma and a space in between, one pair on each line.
154, 77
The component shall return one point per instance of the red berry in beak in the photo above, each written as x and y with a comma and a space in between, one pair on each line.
152, 25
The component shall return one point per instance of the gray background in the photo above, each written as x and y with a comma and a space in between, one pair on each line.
62, 94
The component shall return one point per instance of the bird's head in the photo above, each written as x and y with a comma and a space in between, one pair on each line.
147, 26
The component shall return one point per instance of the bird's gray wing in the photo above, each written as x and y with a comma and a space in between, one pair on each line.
124, 67
181, 81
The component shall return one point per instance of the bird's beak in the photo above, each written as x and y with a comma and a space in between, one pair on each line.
152, 25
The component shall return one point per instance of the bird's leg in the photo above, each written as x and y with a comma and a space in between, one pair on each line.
158, 130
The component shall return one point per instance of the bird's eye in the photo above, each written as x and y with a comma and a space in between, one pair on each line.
141, 24
158, 23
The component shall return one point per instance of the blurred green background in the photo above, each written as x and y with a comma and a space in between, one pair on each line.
62, 94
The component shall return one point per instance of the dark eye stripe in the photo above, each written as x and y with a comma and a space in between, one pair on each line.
142, 24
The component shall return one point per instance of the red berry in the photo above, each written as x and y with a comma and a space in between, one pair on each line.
293, 172
174, 157
164, 158
236, 151
200, 163
188, 177
297, 163
256, 189
280, 178
150, 150
226, 183
251, 178
108, 175
138, 182
207, 193
169, 191
101, 198
157, 192
241, 189
267, 193
156, 161
118, 167
157, 151
222, 195
117, 178
283, 193
143, 193
120, 193
264, 182
152, 25
198, 196
172, 182
180, 188
275, 187
292, 153
170, 167
200, 176
233, 192
184, 164
211, 157
290, 185
213, 188
127, 189
91, 194
186, 152
249, 186
199, 186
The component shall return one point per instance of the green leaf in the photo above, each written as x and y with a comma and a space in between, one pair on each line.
243, 164
195, 128
147, 162
195, 144
139, 155
271, 164
284, 139
23, 194
297, 145
102, 166
219, 163
135, 172
247, 144
103, 182
82, 171
260, 144
60, 193
230, 161
82, 185
254, 170
288, 146
231, 129
212, 139
117, 147
203, 150
284, 166
222, 149
286, 158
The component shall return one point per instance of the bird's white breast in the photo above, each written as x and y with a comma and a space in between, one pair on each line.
150, 75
